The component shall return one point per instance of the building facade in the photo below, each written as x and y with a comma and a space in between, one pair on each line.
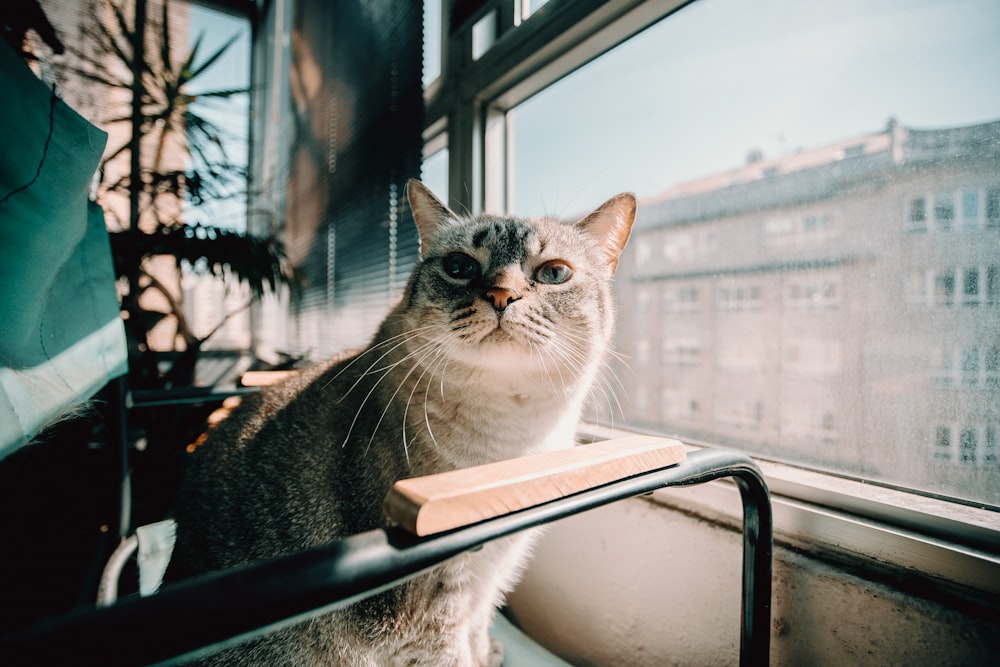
838, 307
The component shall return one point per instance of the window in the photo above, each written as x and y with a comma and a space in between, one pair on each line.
970, 209
779, 232
765, 247
813, 292
944, 287
680, 299
970, 366
735, 296
993, 208
991, 366
681, 351
942, 443
433, 45
944, 211
918, 214
967, 445
970, 287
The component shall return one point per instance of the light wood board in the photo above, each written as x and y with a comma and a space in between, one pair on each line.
436, 503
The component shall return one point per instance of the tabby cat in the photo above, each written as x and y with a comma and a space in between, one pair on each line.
489, 355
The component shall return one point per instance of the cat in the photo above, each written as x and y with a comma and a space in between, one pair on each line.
489, 355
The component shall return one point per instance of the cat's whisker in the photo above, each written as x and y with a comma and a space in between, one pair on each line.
446, 356
536, 350
554, 349
439, 352
385, 374
610, 396
405, 336
418, 356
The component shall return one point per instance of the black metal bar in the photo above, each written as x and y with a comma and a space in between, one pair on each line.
758, 530
202, 615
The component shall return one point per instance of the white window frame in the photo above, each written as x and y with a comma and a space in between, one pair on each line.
933, 538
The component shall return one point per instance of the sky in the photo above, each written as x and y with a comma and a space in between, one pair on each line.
232, 70
692, 95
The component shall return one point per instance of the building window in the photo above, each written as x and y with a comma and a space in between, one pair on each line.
943, 366
970, 287
992, 285
779, 233
967, 445
942, 443
993, 208
813, 293
970, 209
970, 366
681, 351
918, 214
944, 211
944, 287
738, 297
990, 446
680, 300
991, 367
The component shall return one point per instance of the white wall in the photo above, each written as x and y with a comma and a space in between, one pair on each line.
640, 584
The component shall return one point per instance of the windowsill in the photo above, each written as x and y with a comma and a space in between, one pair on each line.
939, 542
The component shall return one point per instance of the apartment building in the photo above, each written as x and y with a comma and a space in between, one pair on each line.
838, 307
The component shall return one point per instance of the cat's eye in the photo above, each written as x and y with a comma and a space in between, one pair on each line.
461, 266
553, 272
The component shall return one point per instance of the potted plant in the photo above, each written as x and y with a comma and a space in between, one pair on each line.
177, 160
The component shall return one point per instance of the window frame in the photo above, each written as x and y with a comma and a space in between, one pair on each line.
922, 535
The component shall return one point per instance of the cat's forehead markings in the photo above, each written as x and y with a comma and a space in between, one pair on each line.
509, 241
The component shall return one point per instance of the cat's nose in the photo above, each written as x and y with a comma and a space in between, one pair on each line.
501, 297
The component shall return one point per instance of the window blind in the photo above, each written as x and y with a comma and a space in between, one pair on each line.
352, 86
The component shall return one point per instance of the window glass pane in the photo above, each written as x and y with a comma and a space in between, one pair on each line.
432, 41
784, 157
970, 209
218, 124
528, 7
484, 34
434, 173
229, 115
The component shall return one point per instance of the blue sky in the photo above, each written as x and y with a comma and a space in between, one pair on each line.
693, 94
230, 71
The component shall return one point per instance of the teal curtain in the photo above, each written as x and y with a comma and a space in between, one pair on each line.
61, 337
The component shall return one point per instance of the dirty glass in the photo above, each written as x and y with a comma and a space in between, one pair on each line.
814, 276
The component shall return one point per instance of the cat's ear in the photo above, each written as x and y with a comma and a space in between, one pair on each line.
611, 224
429, 214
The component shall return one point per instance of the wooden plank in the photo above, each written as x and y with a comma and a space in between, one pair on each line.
436, 503
265, 378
